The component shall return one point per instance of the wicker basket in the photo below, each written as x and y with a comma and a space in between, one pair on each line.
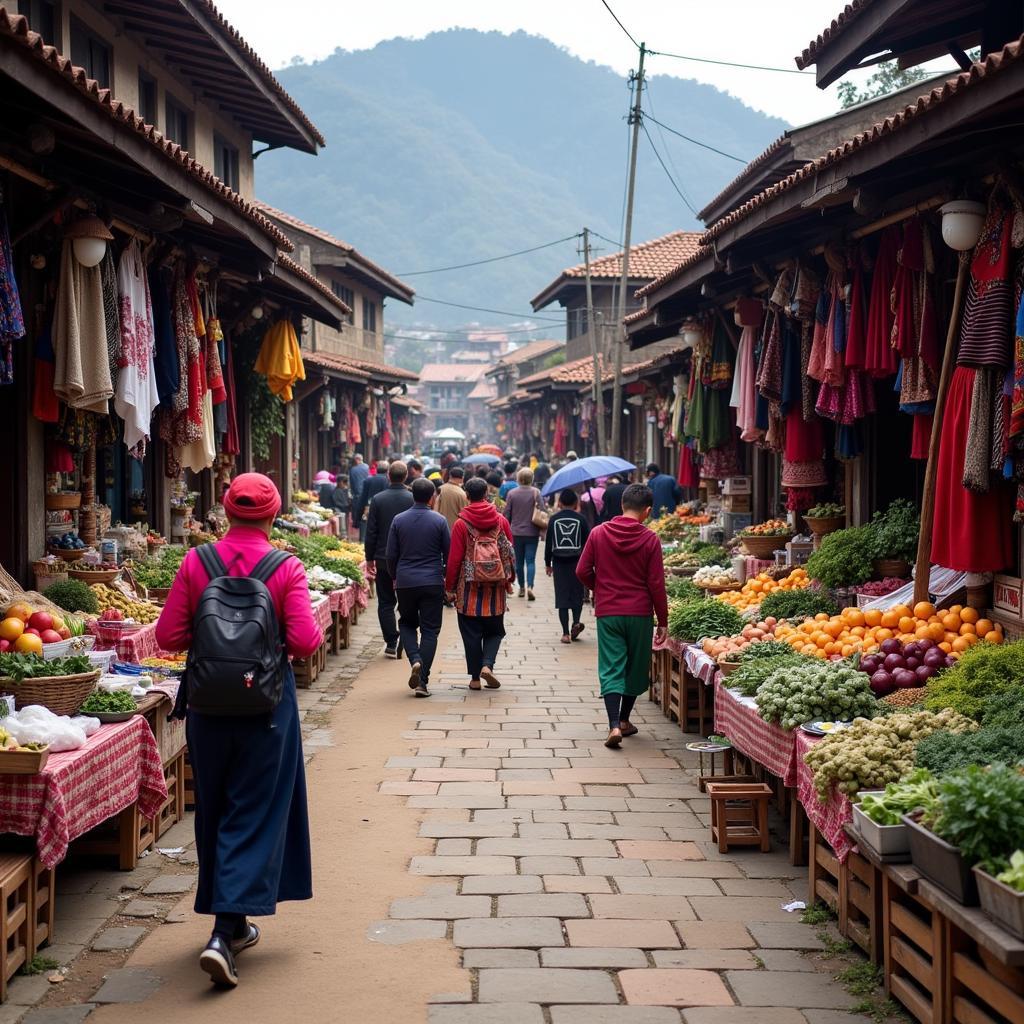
765, 547
68, 554
728, 667
720, 589
47, 577
886, 567
102, 576
63, 695
63, 500
824, 525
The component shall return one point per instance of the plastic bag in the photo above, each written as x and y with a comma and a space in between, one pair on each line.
87, 724
36, 724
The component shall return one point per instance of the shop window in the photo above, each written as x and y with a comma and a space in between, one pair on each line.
225, 162
90, 52
177, 122
147, 98
348, 297
42, 18
369, 316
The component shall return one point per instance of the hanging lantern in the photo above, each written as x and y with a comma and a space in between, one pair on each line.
691, 334
89, 237
962, 221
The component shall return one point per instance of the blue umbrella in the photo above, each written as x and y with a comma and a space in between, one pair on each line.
481, 459
581, 470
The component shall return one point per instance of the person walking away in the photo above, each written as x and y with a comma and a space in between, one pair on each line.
451, 499
566, 534
479, 576
415, 468
372, 485
665, 489
621, 563
357, 475
541, 471
386, 504
510, 478
343, 504
494, 482
417, 552
323, 485
251, 822
611, 500
519, 511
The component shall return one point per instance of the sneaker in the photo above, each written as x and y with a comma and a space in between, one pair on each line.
219, 963
248, 938
530, 595
414, 676
421, 690
522, 591
391, 652
576, 630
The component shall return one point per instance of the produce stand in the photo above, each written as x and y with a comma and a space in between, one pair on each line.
132, 647
829, 818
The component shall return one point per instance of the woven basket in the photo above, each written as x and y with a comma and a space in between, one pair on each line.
728, 667
886, 567
68, 554
48, 578
63, 695
64, 500
824, 525
720, 589
765, 547
105, 576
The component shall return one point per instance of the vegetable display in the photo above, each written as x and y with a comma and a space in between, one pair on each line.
844, 558
1013, 876
32, 666
826, 510
751, 634
117, 703
984, 672
679, 588
916, 792
803, 692
894, 532
110, 599
785, 603
715, 576
758, 662
879, 588
899, 666
763, 586
72, 596
694, 620
871, 753
943, 752
771, 528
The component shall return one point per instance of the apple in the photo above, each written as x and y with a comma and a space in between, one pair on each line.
41, 621
50, 636
32, 631
112, 615
5, 646
64, 633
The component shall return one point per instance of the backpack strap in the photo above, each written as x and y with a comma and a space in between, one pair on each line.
211, 561
269, 564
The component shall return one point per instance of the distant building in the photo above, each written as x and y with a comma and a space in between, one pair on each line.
444, 390
522, 362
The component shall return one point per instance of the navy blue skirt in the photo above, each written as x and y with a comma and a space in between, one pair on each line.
252, 823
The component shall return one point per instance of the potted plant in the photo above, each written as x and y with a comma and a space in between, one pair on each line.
1002, 895
974, 819
843, 559
825, 518
895, 533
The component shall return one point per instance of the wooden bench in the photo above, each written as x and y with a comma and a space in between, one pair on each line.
739, 814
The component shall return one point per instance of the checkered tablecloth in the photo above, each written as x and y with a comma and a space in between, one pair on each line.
302, 531
774, 748
322, 614
700, 665
828, 817
80, 789
132, 647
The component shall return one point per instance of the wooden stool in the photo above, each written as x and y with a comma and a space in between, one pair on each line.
15, 915
44, 901
739, 814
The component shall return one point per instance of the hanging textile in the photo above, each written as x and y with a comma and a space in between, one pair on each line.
111, 314
201, 452
45, 404
689, 467
880, 360
230, 443
82, 371
136, 396
280, 360
181, 424
165, 355
749, 314
12, 320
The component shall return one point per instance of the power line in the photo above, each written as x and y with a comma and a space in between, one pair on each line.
696, 142
629, 35
484, 309
491, 259
668, 173
661, 135
605, 238
726, 63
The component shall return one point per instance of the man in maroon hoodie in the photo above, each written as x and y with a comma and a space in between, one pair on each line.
621, 563
478, 578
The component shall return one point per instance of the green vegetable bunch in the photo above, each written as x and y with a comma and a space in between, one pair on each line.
1004, 709
844, 558
679, 588
34, 666
804, 692
918, 791
945, 752
798, 604
826, 510
895, 531
713, 555
117, 703
1013, 876
758, 661
984, 672
691, 621
72, 596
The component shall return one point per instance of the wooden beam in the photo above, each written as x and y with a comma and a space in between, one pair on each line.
836, 58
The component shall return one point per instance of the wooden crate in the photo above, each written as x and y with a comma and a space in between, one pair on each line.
189, 788
824, 872
173, 808
914, 946
15, 916
690, 700
661, 671
308, 669
44, 902
860, 905
674, 695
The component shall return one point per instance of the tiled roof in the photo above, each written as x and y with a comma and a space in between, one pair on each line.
911, 115
14, 28
451, 373
704, 252
523, 354
841, 21
746, 173
581, 371
514, 398
376, 369
647, 260
350, 250
300, 271
329, 361
483, 389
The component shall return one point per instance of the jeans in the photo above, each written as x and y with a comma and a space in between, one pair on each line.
422, 609
526, 559
386, 601
481, 638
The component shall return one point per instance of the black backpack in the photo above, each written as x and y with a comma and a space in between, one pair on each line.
236, 664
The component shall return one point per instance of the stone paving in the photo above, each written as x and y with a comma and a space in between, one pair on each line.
580, 883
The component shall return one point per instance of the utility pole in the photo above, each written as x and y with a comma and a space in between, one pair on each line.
592, 330
636, 112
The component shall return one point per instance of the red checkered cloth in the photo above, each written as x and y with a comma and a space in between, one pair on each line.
362, 596
131, 647
302, 531
668, 644
829, 817
761, 741
700, 665
324, 527
322, 614
80, 789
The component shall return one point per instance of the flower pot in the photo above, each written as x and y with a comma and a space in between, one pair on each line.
885, 567
1001, 903
941, 863
827, 524
885, 840
765, 546
728, 667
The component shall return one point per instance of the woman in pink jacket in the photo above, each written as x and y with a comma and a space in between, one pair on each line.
252, 827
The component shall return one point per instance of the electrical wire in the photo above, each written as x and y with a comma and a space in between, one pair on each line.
605, 238
629, 35
696, 142
668, 173
491, 259
661, 134
727, 63
484, 309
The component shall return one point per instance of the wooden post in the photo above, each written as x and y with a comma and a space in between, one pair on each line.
592, 330
924, 542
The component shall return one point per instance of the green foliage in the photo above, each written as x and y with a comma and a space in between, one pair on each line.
679, 588
1013, 876
72, 596
691, 621
266, 410
844, 558
984, 672
1004, 709
712, 554
888, 78
814, 690
758, 662
817, 913
38, 965
895, 531
117, 703
159, 571
34, 666
798, 604
944, 752
917, 791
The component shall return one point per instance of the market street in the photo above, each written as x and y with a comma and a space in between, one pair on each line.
496, 827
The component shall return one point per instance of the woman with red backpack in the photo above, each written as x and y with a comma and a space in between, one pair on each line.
479, 576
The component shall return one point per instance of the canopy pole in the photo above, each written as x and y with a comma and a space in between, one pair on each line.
924, 542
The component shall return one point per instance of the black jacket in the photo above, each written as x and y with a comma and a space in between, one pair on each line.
371, 486
383, 509
566, 535
612, 502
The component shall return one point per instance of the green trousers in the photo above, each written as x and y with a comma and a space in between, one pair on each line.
624, 654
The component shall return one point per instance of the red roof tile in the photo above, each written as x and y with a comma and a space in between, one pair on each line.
911, 115
841, 21
329, 361
300, 271
376, 369
523, 354
746, 173
14, 28
452, 373
704, 252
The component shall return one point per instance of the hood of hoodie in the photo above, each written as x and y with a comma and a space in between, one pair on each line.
628, 535
480, 514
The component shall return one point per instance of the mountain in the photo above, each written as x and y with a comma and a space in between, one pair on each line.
466, 145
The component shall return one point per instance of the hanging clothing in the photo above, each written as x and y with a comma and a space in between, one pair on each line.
915, 329
45, 404
12, 319
136, 396
165, 355
229, 444
111, 314
280, 360
82, 370
880, 359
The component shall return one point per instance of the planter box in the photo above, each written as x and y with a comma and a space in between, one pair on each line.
941, 863
885, 840
1001, 903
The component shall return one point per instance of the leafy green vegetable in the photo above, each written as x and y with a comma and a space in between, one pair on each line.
814, 690
714, 556
844, 558
827, 510
942, 752
758, 662
679, 588
983, 672
918, 791
117, 703
1013, 876
72, 596
895, 531
1004, 709
33, 666
798, 604
691, 621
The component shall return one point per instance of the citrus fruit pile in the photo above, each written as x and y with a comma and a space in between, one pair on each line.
954, 630
754, 591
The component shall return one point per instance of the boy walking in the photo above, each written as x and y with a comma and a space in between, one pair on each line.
567, 533
622, 564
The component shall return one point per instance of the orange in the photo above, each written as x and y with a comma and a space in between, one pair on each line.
945, 646
969, 615
921, 633
11, 628
950, 636
19, 610
28, 643
983, 626
958, 608
833, 628
855, 617
951, 622
821, 617
900, 610
993, 637
907, 624
924, 609
822, 640
829, 648
936, 632
872, 617
883, 634
967, 629
960, 644
890, 620
857, 631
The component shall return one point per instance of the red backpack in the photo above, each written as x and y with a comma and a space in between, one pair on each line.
488, 556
